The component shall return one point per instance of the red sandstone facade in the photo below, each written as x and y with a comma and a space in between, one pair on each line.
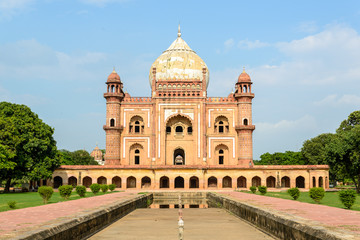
180, 138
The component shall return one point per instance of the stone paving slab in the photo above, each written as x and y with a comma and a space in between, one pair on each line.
329, 217
15, 222
162, 224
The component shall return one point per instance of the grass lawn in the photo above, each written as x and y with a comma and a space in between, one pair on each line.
330, 199
32, 199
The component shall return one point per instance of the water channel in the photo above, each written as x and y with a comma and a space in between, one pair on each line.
160, 221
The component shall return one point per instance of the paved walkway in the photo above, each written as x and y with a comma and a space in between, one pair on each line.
161, 224
22, 220
329, 217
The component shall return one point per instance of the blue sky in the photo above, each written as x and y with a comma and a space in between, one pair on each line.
303, 58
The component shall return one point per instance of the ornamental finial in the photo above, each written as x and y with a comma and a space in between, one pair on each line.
179, 32
243, 69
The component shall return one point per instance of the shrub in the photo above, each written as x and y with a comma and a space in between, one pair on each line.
262, 190
45, 192
317, 193
12, 204
253, 189
347, 197
65, 191
95, 188
294, 193
104, 188
81, 190
112, 187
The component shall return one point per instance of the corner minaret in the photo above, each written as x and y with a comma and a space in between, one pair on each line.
244, 127
114, 96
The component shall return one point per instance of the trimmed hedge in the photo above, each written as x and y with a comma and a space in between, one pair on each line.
317, 193
294, 193
95, 188
253, 189
262, 190
112, 187
65, 191
104, 188
347, 197
45, 192
81, 190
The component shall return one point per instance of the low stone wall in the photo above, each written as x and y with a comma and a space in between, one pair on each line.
88, 223
280, 226
175, 195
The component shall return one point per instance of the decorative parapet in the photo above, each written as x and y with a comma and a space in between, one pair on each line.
220, 99
138, 99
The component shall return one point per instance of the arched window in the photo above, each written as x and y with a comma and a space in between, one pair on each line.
270, 182
164, 182
137, 156
212, 182
179, 157
221, 125
300, 182
245, 122
189, 129
112, 122
168, 130
221, 156
57, 181
179, 130
136, 125
245, 89
285, 182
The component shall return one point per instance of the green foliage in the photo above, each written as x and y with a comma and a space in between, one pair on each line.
79, 157
27, 146
317, 193
253, 189
81, 190
45, 192
112, 187
262, 190
349, 123
104, 188
11, 204
95, 188
347, 197
294, 193
65, 191
287, 158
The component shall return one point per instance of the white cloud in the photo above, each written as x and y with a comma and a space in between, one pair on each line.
246, 44
326, 58
102, 3
307, 27
9, 8
335, 100
229, 43
286, 125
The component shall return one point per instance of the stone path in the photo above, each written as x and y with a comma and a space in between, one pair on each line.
326, 216
22, 220
161, 224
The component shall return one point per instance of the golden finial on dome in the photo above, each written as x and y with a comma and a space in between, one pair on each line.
244, 70
114, 70
179, 32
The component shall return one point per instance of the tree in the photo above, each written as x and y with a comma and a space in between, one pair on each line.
287, 158
79, 157
344, 152
27, 147
350, 122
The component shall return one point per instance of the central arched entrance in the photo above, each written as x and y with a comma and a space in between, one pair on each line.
179, 182
179, 156
164, 182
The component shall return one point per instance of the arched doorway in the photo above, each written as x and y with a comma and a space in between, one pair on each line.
194, 182
241, 182
72, 181
117, 181
227, 182
145, 182
179, 157
212, 182
164, 182
300, 182
285, 182
256, 181
179, 182
87, 181
101, 180
58, 182
270, 182
131, 182
321, 183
